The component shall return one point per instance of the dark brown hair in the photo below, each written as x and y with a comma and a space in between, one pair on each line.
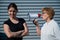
13, 5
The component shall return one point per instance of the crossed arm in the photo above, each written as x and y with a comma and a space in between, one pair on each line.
10, 34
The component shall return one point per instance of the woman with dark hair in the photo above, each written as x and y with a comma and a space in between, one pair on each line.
15, 28
50, 30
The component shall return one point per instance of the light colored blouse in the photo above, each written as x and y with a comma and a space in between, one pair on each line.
50, 31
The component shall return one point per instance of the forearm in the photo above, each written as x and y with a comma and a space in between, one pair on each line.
9, 33
24, 33
16, 34
38, 30
25, 30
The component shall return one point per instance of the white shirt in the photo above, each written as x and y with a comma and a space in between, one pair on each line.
50, 31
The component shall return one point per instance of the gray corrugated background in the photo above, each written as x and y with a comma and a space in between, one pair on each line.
31, 6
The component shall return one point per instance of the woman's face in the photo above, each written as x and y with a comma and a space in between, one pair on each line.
45, 16
12, 12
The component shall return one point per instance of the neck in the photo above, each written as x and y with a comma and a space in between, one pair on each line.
13, 18
48, 20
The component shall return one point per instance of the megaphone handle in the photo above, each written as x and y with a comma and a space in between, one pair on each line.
35, 18
28, 16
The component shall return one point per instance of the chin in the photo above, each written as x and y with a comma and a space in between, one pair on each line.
11, 16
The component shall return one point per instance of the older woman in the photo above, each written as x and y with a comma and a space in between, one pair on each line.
15, 28
50, 30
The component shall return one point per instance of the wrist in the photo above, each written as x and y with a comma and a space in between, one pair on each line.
37, 24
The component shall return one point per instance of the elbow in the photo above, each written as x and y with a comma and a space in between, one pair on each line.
9, 36
27, 32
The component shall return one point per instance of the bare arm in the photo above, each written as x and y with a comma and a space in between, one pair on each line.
25, 30
38, 30
9, 33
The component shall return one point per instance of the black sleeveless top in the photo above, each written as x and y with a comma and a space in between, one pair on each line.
15, 27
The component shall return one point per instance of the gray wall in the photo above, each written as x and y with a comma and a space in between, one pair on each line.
29, 6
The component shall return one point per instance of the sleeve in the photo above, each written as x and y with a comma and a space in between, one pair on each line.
23, 21
57, 31
6, 22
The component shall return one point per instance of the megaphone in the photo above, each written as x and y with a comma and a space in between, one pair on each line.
34, 15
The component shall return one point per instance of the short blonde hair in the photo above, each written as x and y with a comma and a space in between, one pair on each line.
50, 12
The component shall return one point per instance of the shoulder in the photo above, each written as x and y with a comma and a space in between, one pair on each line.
20, 18
56, 27
55, 24
6, 22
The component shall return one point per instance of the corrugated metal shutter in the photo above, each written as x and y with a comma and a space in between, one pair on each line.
29, 6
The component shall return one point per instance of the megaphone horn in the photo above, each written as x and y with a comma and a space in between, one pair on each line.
34, 15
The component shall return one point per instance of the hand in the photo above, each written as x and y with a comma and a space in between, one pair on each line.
20, 33
22, 30
35, 22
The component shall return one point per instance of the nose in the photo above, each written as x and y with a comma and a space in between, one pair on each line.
12, 13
